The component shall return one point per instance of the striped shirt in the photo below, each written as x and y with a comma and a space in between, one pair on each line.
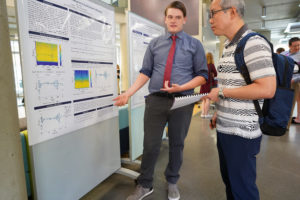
236, 116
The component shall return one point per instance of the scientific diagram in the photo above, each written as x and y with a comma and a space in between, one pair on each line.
48, 54
103, 80
54, 120
49, 88
81, 79
69, 56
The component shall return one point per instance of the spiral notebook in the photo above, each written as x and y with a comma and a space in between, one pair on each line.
186, 100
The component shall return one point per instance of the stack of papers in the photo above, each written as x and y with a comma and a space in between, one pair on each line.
186, 100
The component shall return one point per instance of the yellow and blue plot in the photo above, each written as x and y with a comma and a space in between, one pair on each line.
81, 79
46, 53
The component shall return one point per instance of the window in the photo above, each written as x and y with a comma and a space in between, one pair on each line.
17, 70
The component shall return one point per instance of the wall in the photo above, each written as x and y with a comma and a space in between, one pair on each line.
12, 176
154, 11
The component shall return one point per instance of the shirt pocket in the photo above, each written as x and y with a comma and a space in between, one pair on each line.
184, 58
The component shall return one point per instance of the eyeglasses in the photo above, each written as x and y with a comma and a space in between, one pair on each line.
213, 12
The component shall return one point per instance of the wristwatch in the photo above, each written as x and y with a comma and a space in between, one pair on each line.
221, 94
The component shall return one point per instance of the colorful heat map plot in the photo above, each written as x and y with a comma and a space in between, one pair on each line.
81, 79
46, 54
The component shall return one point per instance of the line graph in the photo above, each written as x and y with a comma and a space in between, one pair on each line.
49, 88
55, 84
54, 120
103, 79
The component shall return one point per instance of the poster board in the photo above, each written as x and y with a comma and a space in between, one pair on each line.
69, 68
140, 32
69, 166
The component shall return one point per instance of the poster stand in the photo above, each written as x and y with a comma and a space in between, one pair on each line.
67, 51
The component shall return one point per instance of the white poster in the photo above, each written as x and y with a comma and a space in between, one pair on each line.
141, 32
69, 68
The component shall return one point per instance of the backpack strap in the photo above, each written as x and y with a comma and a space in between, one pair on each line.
286, 69
242, 68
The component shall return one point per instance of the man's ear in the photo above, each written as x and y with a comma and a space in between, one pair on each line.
233, 11
184, 20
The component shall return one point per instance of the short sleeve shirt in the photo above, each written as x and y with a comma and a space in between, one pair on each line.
237, 116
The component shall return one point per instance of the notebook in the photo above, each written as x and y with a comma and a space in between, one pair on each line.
186, 100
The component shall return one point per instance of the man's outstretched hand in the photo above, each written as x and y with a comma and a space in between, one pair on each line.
121, 100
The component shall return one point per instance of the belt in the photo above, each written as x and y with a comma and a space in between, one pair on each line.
166, 94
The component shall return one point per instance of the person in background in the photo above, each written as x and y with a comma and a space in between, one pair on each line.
237, 122
118, 78
175, 63
294, 52
210, 83
280, 50
294, 49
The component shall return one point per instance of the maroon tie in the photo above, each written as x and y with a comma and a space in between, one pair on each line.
168, 70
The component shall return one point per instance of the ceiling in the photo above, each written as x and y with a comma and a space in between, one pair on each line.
279, 13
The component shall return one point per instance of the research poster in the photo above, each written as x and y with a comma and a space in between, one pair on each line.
141, 32
69, 68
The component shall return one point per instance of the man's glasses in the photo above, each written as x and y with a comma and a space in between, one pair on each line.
213, 12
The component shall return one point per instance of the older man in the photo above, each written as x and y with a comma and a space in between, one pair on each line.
236, 120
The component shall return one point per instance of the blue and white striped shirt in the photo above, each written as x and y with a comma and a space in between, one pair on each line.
238, 116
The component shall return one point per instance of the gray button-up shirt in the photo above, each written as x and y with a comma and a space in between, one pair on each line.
295, 56
189, 61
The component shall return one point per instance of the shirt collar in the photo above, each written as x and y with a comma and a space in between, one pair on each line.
238, 35
179, 35
290, 54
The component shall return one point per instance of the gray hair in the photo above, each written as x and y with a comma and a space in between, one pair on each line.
238, 4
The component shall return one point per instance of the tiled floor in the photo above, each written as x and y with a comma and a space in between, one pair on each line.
278, 169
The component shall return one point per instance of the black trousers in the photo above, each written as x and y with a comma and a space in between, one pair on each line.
157, 115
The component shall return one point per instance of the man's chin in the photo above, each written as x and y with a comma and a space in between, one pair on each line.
173, 31
216, 33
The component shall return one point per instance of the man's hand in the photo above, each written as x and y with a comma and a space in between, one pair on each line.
213, 95
174, 88
121, 99
213, 121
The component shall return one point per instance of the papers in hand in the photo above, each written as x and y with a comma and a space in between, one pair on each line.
186, 100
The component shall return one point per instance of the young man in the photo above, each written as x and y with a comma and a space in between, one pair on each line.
238, 131
294, 52
188, 70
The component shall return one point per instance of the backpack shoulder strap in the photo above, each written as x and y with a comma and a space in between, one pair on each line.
239, 55
241, 65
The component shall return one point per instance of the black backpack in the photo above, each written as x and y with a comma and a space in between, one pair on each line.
275, 114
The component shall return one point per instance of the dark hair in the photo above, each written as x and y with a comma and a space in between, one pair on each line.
176, 4
294, 39
279, 50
